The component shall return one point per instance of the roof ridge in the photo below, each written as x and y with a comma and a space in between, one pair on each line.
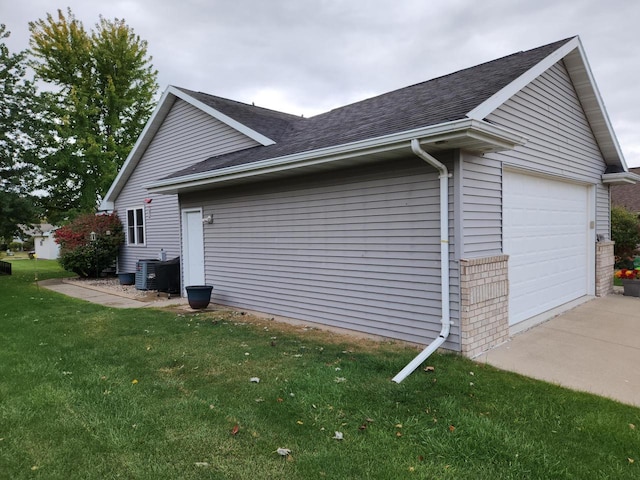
556, 45
193, 93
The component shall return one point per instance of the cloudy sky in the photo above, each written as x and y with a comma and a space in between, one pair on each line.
306, 57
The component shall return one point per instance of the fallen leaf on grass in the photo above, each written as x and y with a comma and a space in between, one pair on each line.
632, 426
134, 381
201, 464
235, 429
631, 460
340, 380
300, 422
451, 428
429, 368
366, 423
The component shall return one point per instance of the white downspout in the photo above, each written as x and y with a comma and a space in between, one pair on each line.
444, 262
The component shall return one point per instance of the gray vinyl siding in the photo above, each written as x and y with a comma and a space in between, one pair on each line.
355, 248
187, 136
548, 113
482, 207
603, 211
559, 139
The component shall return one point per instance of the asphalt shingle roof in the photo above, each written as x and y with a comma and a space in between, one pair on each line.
269, 123
433, 102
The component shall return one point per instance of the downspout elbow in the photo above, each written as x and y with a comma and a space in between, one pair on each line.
419, 152
444, 262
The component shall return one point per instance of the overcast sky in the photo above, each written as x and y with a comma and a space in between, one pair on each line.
306, 57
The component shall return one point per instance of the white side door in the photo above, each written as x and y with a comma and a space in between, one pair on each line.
192, 247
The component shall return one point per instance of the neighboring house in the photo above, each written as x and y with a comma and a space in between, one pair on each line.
336, 219
44, 242
627, 196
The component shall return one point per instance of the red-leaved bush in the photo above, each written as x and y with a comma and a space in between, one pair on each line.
84, 256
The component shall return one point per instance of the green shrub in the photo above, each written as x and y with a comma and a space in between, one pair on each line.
81, 254
15, 246
625, 231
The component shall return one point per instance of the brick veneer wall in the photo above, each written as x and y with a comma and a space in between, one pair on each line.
604, 268
484, 302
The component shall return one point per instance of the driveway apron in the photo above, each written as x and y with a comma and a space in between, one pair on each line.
594, 347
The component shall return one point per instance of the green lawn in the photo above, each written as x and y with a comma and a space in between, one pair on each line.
88, 392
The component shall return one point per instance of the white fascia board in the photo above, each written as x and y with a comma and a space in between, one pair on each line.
501, 96
258, 137
153, 124
502, 139
587, 90
622, 178
578, 66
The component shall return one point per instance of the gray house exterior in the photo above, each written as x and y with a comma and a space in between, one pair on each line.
336, 220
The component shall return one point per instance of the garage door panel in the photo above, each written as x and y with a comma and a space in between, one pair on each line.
545, 235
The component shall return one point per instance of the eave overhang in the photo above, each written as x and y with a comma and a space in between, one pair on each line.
621, 178
168, 98
575, 59
468, 134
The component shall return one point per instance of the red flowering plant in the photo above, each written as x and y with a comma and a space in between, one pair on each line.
86, 254
626, 274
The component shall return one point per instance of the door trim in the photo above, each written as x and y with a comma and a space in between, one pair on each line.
186, 272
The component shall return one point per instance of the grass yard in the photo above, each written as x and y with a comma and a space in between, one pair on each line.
88, 392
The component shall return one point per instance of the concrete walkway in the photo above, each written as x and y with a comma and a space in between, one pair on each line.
594, 348
107, 298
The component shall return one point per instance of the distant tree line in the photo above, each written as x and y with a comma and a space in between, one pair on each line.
71, 109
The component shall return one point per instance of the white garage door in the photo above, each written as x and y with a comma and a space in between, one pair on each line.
546, 235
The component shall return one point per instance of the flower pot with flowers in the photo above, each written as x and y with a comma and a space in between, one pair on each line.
630, 281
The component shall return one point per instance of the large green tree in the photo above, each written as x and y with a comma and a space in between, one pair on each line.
17, 124
102, 87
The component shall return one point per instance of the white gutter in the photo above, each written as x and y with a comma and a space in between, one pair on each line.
500, 138
621, 178
444, 262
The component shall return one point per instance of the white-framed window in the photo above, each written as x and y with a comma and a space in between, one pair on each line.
135, 226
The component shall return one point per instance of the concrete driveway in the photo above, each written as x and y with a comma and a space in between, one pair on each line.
594, 348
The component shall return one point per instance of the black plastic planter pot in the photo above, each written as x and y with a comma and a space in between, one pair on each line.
199, 296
